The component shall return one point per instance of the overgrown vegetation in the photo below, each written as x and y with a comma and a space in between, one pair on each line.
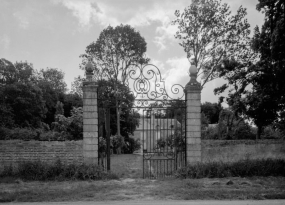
242, 168
41, 171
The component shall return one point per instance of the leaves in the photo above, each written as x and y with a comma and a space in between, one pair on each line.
210, 34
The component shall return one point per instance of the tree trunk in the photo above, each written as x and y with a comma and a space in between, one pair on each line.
258, 134
118, 111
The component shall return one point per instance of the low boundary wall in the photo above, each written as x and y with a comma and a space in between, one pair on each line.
15, 151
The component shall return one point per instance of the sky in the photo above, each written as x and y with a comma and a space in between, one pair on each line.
54, 33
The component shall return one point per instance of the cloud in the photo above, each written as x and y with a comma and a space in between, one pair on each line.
89, 12
5, 41
23, 18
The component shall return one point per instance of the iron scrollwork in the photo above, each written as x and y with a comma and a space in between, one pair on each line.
147, 86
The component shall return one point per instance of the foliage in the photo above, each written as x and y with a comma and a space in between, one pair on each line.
25, 102
176, 140
59, 108
6, 114
117, 141
36, 94
70, 101
75, 127
129, 118
131, 145
271, 133
71, 126
161, 143
77, 86
116, 51
209, 33
20, 72
211, 111
114, 54
258, 88
204, 121
102, 146
243, 168
51, 82
54, 77
243, 131
57, 171
211, 133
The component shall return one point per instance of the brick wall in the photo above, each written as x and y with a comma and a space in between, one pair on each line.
13, 151
233, 150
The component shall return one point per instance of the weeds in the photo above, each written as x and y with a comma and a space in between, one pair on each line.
242, 168
41, 171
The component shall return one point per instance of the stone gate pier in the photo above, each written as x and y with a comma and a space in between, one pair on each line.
193, 117
90, 118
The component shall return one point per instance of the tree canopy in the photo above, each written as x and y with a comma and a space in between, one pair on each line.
257, 90
210, 34
116, 51
114, 54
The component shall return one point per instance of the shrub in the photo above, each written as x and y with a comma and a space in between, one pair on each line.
23, 134
243, 168
243, 131
5, 133
131, 145
212, 133
57, 171
270, 133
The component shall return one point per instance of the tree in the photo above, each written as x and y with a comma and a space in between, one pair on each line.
77, 86
54, 77
71, 100
211, 111
106, 99
257, 91
19, 72
51, 82
211, 34
26, 102
114, 54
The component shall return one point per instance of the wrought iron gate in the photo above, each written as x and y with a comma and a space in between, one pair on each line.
160, 111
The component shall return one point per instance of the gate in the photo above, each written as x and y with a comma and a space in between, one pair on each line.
160, 117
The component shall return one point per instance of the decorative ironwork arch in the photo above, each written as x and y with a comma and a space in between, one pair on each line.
148, 87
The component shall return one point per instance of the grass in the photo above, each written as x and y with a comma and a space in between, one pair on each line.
42, 171
143, 189
242, 168
125, 188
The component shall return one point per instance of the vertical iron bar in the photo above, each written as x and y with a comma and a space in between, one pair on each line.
108, 137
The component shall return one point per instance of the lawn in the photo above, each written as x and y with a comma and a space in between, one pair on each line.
131, 186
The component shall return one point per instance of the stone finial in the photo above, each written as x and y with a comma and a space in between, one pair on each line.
89, 70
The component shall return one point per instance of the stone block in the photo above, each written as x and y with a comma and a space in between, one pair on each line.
193, 96
194, 147
194, 122
90, 135
90, 121
90, 108
193, 128
90, 128
193, 134
90, 154
90, 95
91, 140
190, 140
193, 159
193, 109
193, 115
194, 102
89, 102
90, 147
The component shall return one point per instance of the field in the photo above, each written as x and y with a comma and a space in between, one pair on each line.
131, 186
